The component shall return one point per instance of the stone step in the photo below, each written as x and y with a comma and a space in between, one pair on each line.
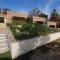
2, 25
3, 50
3, 41
3, 37
3, 44
2, 34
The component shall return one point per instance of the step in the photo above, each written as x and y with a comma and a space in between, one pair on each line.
2, 34
3, 41
2, 25
3, 50
3, 44
4, 38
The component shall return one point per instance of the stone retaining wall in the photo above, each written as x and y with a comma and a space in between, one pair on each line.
21, 47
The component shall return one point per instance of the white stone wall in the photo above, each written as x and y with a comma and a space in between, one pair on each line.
21, 47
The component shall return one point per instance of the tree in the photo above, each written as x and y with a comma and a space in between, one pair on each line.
0, 10
54, 15
30, 19
34, 12
43, 15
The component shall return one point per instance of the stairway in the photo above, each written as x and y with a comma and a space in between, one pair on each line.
3, 41
2, 25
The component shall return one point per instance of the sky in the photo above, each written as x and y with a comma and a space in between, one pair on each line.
27, 5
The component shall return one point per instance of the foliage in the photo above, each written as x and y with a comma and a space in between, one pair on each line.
54, 15
43, 15
29, 19
30, 30
34, 12
18, 22
5, 56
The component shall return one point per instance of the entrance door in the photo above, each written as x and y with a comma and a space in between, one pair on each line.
1, 19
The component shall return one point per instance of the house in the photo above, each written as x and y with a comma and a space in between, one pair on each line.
7, 16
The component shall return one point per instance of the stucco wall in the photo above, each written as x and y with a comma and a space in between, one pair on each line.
9, 15
51, 23
21, 47
36, 18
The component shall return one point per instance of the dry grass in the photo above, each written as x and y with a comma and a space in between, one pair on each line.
56, 42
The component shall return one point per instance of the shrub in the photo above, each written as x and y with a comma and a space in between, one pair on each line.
33, 30
29, 30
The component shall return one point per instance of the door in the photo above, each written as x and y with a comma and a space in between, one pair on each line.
1, 19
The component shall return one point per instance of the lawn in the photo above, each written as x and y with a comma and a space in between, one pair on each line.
5, 56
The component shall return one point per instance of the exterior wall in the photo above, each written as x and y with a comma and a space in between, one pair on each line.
9, 15
51, 23
21, 47
39, 19
12, 14
20, 15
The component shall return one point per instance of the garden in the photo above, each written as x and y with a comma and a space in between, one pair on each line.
29, 30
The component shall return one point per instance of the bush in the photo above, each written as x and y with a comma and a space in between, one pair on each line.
18, 22
33, 30
29, 30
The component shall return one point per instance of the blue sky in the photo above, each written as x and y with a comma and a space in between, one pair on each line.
27, 5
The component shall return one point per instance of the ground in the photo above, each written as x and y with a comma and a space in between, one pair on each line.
5, 56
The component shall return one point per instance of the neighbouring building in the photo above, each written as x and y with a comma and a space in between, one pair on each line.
7, 16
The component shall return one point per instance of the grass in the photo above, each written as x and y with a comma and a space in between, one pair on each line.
58, 41
5, 56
